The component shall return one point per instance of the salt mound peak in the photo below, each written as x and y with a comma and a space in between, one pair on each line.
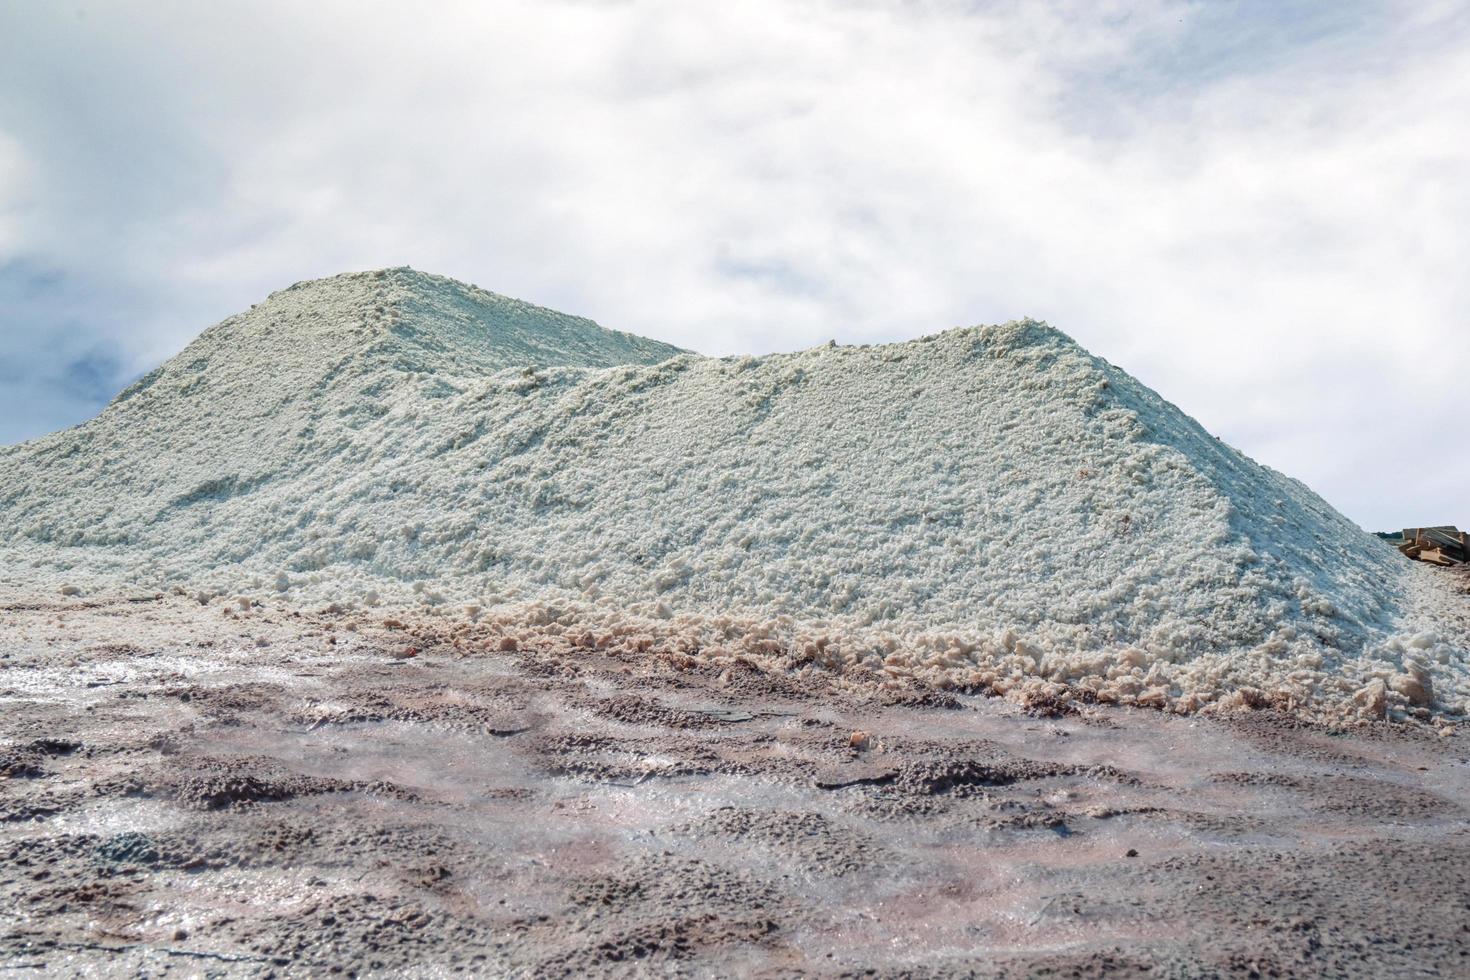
988, 503
397, 320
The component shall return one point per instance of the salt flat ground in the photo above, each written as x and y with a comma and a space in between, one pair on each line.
206, 789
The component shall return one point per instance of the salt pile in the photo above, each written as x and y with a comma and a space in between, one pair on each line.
986, 506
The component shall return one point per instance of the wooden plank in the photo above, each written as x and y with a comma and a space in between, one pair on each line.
1446, 544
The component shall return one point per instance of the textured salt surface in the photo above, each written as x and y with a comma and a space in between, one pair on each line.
990, 506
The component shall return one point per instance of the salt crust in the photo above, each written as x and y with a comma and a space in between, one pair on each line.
990, 507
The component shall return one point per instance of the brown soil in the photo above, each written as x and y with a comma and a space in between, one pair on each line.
186, 789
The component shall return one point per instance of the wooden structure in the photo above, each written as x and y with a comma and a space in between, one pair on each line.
1443, 546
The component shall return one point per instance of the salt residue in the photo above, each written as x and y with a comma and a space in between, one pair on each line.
989, 506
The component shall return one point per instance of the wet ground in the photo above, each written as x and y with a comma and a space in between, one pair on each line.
210, 789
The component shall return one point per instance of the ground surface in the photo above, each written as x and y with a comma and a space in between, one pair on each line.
208, 789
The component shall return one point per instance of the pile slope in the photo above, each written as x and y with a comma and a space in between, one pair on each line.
991, 499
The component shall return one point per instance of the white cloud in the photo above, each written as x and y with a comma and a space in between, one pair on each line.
1260, 209
15, 173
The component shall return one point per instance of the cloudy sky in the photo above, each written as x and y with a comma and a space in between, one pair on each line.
1262, 209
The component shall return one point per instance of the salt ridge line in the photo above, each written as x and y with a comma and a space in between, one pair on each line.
358, 436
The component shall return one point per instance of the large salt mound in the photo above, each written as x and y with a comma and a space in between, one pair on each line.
998, 487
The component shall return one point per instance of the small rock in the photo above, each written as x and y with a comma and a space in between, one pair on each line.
70, 590
1132, 853
859, 741
407, 653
